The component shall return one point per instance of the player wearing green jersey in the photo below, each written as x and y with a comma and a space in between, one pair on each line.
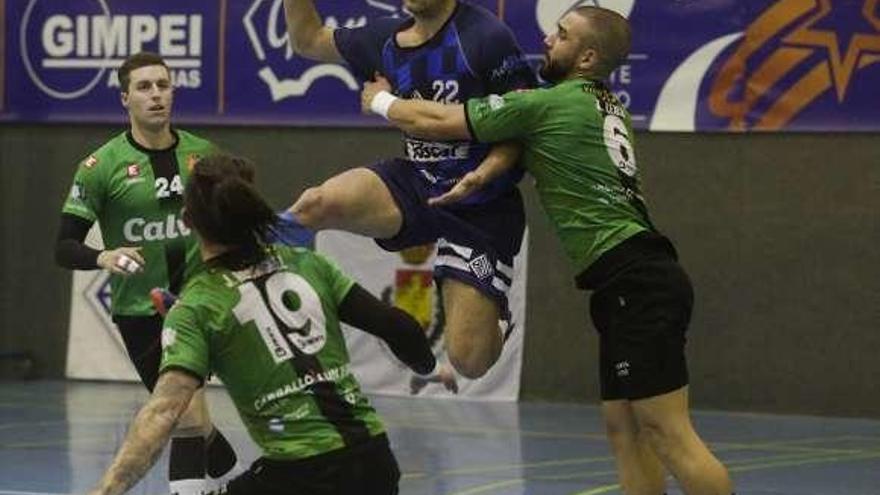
132, 186
267, 320
577, 140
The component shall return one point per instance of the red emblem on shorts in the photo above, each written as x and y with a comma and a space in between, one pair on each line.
133, 170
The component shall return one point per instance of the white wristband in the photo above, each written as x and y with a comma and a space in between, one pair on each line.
382, 103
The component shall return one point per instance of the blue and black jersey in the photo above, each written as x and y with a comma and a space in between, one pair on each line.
473, 55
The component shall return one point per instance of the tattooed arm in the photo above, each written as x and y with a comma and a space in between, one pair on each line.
149, 433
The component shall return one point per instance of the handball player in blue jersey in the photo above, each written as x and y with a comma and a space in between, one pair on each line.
446, 51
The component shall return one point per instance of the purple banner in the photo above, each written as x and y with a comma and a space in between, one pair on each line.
61, 57
709, 65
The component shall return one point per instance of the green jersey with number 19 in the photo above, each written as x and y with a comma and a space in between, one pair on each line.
271, 332
136, 195
578, 146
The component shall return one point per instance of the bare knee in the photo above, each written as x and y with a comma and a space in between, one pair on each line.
667, 438
473, 338
470, 363
315, 208
472, 357
619, 429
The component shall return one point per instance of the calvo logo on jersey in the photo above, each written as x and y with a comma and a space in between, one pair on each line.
285, 74
140, 230
69, 48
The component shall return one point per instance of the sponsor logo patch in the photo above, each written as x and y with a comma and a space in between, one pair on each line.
481, 266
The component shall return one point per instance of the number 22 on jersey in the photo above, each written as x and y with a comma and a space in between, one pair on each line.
287, 312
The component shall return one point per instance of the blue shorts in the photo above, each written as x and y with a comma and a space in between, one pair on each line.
476, 244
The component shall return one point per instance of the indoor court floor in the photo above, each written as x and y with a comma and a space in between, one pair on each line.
56, 438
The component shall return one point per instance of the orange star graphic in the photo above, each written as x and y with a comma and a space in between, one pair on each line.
842, 64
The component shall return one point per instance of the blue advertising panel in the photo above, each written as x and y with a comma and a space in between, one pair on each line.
61, 57
711, 65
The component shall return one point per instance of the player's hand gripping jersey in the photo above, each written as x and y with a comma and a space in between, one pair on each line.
474, 54
135, 194
272, 334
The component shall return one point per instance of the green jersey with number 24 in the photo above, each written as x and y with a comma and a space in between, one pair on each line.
135, 195
578, 144
272, 334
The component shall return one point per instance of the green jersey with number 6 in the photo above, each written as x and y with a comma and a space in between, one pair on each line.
136, 195
579, 147
271, 332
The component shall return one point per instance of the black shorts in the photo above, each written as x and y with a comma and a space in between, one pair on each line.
368, 469
143, 341
642, 315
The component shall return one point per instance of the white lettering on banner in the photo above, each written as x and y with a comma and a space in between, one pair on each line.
429, 151
108, 36
140, 230
92, 39
74, 43
267, 32
59, 44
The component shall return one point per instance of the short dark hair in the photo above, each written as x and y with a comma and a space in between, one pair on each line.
611, 37
136, 61
223, 205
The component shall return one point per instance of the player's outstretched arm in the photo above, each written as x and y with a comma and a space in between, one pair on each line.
149, 433
501, 158
419, 118
403, 334
309, 36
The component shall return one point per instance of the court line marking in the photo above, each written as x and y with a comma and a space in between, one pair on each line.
781, 446
507, 467
761, 466
509, 431
488, 487
816, 460
601, 489
739, 465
